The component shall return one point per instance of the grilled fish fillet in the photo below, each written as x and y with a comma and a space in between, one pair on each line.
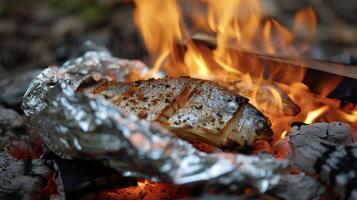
194, 109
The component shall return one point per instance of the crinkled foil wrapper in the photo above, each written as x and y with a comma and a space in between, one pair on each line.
75, 125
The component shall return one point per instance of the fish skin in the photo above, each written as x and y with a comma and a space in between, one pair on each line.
148, 98
194, 109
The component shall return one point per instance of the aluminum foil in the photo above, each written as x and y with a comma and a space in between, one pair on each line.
74, 125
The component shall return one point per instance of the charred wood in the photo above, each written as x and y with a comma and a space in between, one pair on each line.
23, 179
336, 133
292, 184
329, 151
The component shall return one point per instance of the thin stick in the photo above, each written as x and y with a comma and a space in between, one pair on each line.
325, 66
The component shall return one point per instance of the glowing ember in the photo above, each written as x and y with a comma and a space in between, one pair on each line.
143, 183
146, 190
284, 134
313, 115
241, 24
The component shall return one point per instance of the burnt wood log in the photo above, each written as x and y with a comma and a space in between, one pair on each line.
329, 151
318, 71
327, 66
336, 133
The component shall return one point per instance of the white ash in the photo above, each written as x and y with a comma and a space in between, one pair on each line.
336, 133
21, 179
327, 150
290, 184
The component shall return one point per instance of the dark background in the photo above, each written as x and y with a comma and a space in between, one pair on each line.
38, 33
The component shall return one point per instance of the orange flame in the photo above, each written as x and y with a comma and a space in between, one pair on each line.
240, 24
234, 21
159, 23
305, 23
143, 182
194, 58
277, 38
313, 115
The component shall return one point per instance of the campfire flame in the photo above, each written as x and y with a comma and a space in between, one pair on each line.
235, 24
313, 115
240, 24
159, 22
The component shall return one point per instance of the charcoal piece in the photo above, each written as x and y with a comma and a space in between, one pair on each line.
329, 151
335, 133
14, 87
336, 166
289, 185
12, 126
21, 179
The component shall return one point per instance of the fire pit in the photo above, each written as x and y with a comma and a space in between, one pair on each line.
230, 109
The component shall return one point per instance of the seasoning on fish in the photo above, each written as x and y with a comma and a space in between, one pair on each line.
194, 109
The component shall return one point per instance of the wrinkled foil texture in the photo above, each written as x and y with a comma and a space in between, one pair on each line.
74, 125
